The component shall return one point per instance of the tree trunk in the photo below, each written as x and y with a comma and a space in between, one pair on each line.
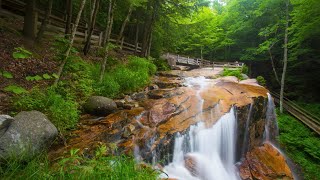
136, 42
107, 39
30, 23
149, 46
92, 11
69, 17
273, 66
45, 21
93, 22
107, 30
285, 57
124, 25
83, 2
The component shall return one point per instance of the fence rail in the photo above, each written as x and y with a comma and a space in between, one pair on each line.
57, 24
174, 59
309, 119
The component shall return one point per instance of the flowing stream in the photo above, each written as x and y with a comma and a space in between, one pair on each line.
211, 150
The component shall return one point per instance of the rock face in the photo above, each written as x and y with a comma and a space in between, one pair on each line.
265, 162
98, 105
150, 129
27, 135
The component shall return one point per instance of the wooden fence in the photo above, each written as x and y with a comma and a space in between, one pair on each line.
57, 24
307, 118
174, 59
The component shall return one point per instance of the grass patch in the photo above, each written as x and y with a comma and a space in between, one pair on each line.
301, 145
233, 72
78, 167
62, 112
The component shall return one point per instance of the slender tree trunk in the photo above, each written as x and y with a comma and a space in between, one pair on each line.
93, 22
69, 17
136, 42
92, 11
107, 39
124, 24
106, 31
45, 21
83, 2
273, 66
285, 57
149, 46
29, 27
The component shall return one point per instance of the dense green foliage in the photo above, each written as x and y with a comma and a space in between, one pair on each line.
62, 112
301, 145
62, 103
78, 167
233, 72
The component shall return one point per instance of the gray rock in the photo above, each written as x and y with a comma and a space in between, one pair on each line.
27, 135
5, 121
99, 105
139, 96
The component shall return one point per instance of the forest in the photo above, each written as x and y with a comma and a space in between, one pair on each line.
57, 54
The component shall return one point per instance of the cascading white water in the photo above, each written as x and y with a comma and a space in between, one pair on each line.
271, 125
212, 149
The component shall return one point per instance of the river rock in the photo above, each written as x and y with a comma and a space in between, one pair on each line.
191, 164
27, 135
99, 105
265, 162
5, 121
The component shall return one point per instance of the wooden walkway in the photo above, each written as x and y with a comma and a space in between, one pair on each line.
174, 60
307, 118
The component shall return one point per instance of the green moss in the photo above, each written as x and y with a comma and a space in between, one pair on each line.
301, 145
233, 72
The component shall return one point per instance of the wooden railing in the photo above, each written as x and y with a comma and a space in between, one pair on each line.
57, 24
174, 59
307, 118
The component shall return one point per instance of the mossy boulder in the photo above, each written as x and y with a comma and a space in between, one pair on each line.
99, 105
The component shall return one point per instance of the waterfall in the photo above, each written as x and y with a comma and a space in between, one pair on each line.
246, 132
271, 125
213, 150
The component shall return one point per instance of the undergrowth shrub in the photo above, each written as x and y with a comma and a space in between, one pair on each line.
62, 112
162, 64
300, 144
261, 81
230, 72
76, 166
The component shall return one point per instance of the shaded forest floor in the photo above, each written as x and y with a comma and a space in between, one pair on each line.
43, 60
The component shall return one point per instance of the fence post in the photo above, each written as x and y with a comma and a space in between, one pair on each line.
100, 38
122, 41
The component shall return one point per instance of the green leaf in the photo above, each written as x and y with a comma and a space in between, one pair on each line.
55, 75
7, 75
46, 76
15, 89
30, 78
21, 53
37, 78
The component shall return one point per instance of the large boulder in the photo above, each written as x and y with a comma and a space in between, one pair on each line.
99, 105
28, 134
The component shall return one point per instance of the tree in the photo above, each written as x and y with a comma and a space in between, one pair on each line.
107, 38
285, 56
45, 21
68, 17
93, 18
30, 24
67, 53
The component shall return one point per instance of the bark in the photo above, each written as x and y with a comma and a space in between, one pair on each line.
29, 27
137, 39
124, 24
109, 21
45, 21
273, 66
69, 17
285, 57
92, 11
83, 2
149, 46
107, 39
147, 30
92, 26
